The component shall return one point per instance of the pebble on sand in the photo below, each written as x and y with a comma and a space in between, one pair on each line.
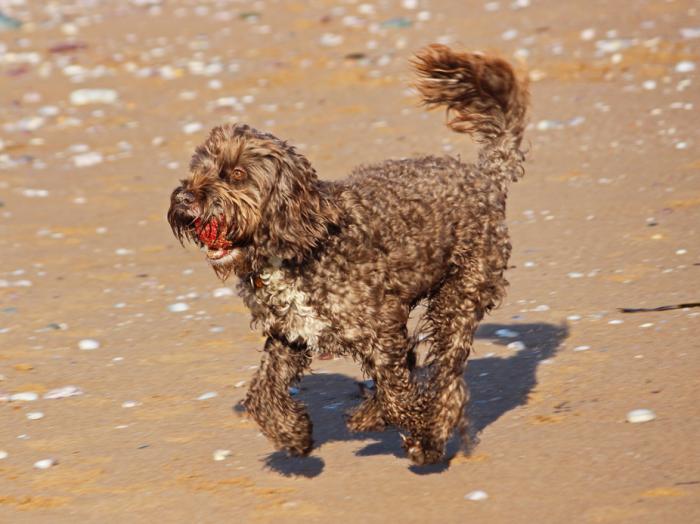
208, 395
588, 34
637, 416
178, 307
192, 128
221, 454
3, 454
45, 463
686, 66
83, 97
35, 193
330, 40
518, 345
506, 333
88, 344
25, 396
476, 495
87, 159
510, 34
690, 32
64, 392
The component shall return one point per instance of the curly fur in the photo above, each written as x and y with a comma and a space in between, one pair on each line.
337, 267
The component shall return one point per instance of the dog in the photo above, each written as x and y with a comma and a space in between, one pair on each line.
336, 267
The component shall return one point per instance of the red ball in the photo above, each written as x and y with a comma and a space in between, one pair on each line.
211, 234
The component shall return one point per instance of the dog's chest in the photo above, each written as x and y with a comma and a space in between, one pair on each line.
279, 303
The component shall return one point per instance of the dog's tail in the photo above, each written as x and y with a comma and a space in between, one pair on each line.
483, 97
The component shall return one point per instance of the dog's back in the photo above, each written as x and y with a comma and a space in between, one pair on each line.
429, 212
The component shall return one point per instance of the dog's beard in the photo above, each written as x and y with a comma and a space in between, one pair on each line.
223, 272
232, 262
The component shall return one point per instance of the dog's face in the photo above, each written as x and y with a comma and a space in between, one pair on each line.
248, 192
218, 207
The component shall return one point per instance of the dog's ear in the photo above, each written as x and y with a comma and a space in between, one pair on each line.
299, 212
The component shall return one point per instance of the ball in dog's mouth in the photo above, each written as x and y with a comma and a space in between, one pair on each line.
212, 234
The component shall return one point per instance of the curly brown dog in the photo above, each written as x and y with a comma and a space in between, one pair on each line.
337, 267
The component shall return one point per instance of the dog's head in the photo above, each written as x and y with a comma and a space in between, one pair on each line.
249, 197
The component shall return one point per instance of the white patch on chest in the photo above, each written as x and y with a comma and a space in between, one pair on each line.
288, 307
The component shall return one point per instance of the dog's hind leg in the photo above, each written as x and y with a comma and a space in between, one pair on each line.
281, 419
453, 314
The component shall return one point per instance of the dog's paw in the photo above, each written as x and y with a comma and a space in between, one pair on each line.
299, 449
295, 444
297, 439
421, 452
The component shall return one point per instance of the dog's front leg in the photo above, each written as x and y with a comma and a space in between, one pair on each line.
368, 416
281, 419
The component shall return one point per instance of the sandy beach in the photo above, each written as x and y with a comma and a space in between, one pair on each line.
122, 357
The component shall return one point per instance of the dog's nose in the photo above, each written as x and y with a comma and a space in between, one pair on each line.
185, 197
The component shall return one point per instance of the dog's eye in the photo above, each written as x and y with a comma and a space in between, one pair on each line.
237, 174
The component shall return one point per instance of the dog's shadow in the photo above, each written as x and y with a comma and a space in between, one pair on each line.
497, 384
